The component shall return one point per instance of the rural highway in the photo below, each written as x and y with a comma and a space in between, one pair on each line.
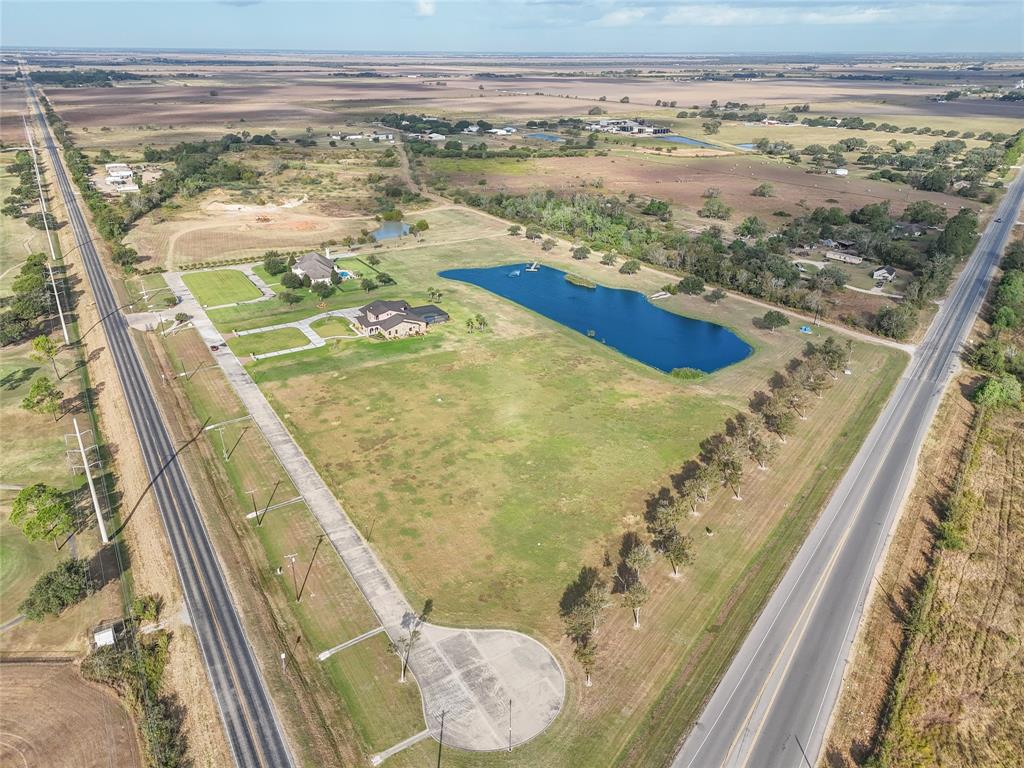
773, 706
250, 721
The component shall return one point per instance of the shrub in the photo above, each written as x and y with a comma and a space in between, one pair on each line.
291, 280
62, 587
630, 267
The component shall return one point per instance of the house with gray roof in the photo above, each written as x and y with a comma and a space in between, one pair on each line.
397, 319
315, 266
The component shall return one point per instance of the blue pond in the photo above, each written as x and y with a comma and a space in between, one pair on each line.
686, 140
747, 146
389, 230
622, 319
545, 136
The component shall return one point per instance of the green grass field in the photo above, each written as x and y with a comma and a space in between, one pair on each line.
270, 341
21, 562
17, 239
220, 286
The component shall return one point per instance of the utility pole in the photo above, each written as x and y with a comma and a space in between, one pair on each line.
440, 741
92, 486
291, 566
319, 540
261, 518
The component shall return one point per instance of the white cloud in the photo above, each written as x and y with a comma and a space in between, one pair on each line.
620, 18
795, 13
426, 7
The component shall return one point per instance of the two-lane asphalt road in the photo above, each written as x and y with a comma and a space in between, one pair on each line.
773, 706
253, 731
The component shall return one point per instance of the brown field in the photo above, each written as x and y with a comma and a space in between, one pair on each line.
683, 181
50, 716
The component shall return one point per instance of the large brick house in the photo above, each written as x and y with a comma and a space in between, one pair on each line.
396, 319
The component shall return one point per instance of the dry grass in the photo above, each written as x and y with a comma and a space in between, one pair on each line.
50, 716
960, 700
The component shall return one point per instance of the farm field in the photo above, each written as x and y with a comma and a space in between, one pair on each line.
221, 286
50, 716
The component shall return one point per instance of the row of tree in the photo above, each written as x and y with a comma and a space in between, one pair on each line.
754, 437
30, 303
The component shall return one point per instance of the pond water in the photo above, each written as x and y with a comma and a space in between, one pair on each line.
388, 230
622, 319
747, 146
545, 136
686, 140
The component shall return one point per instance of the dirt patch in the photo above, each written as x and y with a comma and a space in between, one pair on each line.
50, 716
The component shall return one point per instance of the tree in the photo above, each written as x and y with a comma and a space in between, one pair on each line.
43, 513
764, 190
289, 298
773, 319
778, 418
791, 394
691, 285
514, 230
895, 321
43, 397
367, 284
630, 267
1001, 392
705, 477
481, 322
548, 244
403, 646
291, 280
62, 587
421, 226
624, 100
677, 548
41, 221
323, 290
714, 208
716, 295
751, 227
832, 355
635, 597
580, 252
586, 655
760, 449
45, 349
608, 258
711, 126
273, 263
726, 459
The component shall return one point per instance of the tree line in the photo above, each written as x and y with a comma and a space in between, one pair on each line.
753, 437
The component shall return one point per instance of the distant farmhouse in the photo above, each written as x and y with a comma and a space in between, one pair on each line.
397, 319
637, 127
316, 267
121, 178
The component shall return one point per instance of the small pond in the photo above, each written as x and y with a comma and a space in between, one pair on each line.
545, 136
388, 230
622, 319
686, 140
746, 146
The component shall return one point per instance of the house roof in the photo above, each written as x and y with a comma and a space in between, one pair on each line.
389, 322
887, 269
381, 306
315, 265
427, 310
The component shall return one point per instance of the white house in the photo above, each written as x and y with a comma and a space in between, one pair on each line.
884, 273
842, 172
435, 137
472, 129
314, 266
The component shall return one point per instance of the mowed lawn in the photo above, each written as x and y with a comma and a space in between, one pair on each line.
268, 341
220, 286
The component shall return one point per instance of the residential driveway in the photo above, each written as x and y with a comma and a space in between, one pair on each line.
471, 677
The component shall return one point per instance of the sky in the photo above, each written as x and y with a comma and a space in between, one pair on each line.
526, 26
